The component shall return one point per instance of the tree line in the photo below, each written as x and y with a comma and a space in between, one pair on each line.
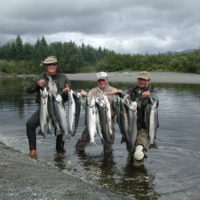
19, 57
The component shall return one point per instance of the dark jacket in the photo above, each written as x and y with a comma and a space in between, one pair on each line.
135, 94
60, 79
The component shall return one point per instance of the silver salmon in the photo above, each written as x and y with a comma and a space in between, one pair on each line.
152, 121
127, 120
104, 110
74, 107
60, 115
91, 118
44, 117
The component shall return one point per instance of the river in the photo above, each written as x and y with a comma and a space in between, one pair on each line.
171, 170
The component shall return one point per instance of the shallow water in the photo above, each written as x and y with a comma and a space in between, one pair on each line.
171, 170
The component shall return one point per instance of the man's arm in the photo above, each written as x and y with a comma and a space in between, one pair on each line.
153, 96
35, 85
66, 89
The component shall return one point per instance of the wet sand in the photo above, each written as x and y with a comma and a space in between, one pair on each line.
156, 77
25, 178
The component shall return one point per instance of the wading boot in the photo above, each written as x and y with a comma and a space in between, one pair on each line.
138, 163
60, 144
80, 146
107, 149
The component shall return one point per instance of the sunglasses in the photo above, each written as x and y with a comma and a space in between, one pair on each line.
141, 79
101, 80
51, 64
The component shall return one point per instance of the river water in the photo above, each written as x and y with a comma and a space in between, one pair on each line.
171, 170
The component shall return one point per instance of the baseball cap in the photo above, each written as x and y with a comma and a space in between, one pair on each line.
50, 60
144, 75
101, 75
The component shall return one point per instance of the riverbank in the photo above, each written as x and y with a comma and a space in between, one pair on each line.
25, 178
156, 77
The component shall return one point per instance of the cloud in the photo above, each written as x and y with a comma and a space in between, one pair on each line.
128, 26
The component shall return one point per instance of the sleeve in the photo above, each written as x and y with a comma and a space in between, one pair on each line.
92, 93
131, 94
67, 82
154, 96
65, 96
32, 86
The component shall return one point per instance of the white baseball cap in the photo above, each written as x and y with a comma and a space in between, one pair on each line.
101, 75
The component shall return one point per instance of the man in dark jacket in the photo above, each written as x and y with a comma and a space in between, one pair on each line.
143, 94
55, 83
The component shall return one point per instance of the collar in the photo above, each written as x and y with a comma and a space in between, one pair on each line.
47, 75
102, 91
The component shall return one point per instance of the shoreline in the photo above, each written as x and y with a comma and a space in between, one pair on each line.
156, 77
26, 178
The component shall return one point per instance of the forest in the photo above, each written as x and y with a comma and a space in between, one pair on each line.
25, 58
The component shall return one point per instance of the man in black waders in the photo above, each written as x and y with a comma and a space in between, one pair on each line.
55, 83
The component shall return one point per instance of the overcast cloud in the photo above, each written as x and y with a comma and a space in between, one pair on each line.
125, 26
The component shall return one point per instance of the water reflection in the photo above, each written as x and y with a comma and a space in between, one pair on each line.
60, 161
139, 182
129, 180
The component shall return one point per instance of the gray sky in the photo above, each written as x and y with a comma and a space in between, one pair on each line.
125, 26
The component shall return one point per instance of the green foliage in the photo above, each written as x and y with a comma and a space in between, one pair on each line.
89, 68
19, 57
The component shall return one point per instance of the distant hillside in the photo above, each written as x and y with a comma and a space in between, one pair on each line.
19, 57
178, 52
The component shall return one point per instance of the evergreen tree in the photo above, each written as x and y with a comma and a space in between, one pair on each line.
19, 48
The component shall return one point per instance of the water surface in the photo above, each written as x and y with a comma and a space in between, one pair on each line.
171, 170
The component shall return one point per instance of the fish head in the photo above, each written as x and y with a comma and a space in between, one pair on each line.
58, 98
154, 104
43, 93
90, 101
101, 101
133, 105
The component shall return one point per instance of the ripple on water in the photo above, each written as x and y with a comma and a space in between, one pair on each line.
176, 171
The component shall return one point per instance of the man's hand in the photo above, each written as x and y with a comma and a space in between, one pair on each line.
115, 91
41, 83
83, 93
66, 89
146, 94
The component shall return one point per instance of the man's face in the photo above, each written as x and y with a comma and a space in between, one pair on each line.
102, 83
51, 69
142, 83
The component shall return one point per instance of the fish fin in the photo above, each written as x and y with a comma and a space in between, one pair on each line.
49, 132
55, 131
123, 140
73, 133
153, 146
41, 133
93, 143
67, 137
102, 141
